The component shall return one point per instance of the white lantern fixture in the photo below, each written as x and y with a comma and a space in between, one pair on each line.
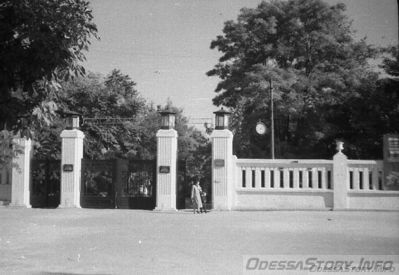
221, 119
168, 118
72, 120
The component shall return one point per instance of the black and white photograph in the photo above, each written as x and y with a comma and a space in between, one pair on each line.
199, 137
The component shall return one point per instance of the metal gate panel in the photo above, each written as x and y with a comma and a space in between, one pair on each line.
97, 184
45, 183
181, 184
136, 184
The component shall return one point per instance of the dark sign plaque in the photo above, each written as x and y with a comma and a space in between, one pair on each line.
219, 162
164, 169
67, 167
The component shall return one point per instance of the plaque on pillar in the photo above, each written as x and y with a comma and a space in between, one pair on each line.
219, 162
164, 169
67, 167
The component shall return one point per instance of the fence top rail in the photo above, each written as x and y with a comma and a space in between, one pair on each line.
364, 162
283, 161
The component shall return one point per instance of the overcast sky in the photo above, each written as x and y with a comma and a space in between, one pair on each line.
163, 45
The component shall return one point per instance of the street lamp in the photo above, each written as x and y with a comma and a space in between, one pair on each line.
271, 118
168, 119
221, 119
72, 119
271, 63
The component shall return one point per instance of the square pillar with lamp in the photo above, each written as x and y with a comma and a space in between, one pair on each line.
222, 162
71, 160
166, 162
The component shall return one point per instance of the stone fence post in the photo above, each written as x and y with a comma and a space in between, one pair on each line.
340, 178
20, 177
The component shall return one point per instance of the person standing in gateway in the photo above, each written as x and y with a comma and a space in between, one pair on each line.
196, 197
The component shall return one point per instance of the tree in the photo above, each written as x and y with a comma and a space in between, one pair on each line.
94, 96
114, 97
306, 48
41, 41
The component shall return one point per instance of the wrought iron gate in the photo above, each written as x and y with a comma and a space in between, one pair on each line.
118, 183
182, 184
45, 183
97, 188
136, 187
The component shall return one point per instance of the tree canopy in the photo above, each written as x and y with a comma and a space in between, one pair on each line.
113, 96
307, 50
41, 42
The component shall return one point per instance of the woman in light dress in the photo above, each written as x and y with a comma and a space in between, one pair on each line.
196, 197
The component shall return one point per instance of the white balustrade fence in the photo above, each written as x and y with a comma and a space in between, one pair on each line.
284, 174
309, 184
365, 174
298, 183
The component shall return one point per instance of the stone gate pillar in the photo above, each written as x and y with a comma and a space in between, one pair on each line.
71, 162
222, 163
20, 177
222, 169
166, 169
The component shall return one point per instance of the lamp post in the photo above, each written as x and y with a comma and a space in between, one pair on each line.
72, 119
168, 119
221, 119
271, 119
271, 64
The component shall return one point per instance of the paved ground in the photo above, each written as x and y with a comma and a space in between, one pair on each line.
88, 241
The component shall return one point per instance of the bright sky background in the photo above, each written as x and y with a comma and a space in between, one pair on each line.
163, 45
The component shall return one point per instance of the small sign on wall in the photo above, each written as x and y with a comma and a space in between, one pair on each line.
67, 167
164, 169
219, 162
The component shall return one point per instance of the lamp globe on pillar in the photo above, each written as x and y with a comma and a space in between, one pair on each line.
72, 120
168, 119
221, 119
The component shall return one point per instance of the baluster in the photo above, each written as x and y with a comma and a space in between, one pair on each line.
305, 178
366, 184
296, 178
323, 178
356, 183
258, 178
286, 179
315, 178
276, 178
248, 176
267, 178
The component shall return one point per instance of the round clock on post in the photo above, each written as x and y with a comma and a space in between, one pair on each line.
260, 128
